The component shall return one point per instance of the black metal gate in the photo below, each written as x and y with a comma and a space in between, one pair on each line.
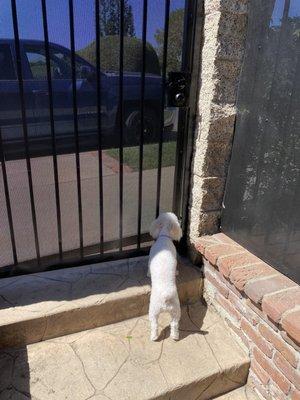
94, 138
262, 202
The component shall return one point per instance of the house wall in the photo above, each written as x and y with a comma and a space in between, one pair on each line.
260, 305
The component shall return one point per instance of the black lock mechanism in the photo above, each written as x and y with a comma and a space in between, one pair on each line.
178, 89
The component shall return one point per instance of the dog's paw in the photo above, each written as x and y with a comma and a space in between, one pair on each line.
154, 337
174, 335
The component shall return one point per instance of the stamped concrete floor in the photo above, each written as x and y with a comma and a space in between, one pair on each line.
119, 362
50, 304
243, 393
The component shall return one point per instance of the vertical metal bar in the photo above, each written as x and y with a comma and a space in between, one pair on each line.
193, 64
144, 37
121, 118
24, 123
98, 66
75, 122
7, 200
163, 91
50, 91
183, 113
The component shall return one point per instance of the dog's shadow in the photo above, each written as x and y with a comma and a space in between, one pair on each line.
191, 322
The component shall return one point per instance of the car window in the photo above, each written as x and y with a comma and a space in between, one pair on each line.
38, 67
60, 64
7, 70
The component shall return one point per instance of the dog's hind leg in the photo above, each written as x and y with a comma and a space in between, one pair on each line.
153, 318
175, 315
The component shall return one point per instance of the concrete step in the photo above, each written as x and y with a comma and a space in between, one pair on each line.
45, 305
119, 362
243, 393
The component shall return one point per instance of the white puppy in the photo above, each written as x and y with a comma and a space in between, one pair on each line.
162, 269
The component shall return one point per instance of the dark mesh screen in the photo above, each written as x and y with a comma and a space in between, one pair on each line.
262, 202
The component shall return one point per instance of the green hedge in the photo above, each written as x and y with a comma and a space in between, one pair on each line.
109, 54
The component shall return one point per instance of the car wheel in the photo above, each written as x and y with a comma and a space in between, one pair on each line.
133, 127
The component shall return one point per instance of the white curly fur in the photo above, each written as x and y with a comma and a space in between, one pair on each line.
162, 269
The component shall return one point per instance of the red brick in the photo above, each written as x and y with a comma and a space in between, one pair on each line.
258, 386
212, 269
291, 324
237, 303
291, 373
276, 392
287, 339
256, 289
232, 288
204, 242
251, 317
262, 391
286, 351
295, 394
212, 253
221, 237
228, 284
274, 305
276, 375
238, 332
226, 264
242, 306
227, 306
218, 285
260, 342
256, 308
242, 275
259, 372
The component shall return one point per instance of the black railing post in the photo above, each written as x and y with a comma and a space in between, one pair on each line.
99, 127
163, 92
24, 124
121, 122
75, 122
141, 155
50, 94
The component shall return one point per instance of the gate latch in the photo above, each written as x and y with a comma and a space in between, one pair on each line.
178, 85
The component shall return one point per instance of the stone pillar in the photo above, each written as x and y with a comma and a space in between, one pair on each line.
225, 25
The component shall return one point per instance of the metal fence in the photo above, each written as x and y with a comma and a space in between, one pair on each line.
63, 116
261, 206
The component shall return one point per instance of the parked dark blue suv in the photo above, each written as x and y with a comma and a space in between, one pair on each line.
37, 102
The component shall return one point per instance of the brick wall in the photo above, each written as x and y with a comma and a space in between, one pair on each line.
261, 307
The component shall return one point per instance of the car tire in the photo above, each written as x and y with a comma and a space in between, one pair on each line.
133, 127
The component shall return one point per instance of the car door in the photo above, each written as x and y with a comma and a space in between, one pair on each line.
10, 105
62, 89
34, 55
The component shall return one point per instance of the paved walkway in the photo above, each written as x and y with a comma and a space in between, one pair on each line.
44, 193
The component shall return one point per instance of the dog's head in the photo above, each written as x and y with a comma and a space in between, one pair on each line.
168, 222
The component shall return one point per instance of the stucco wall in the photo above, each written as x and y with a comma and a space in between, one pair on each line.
224, 32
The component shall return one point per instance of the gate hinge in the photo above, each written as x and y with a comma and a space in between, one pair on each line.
178, 85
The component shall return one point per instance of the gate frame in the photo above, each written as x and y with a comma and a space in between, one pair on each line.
193, 21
